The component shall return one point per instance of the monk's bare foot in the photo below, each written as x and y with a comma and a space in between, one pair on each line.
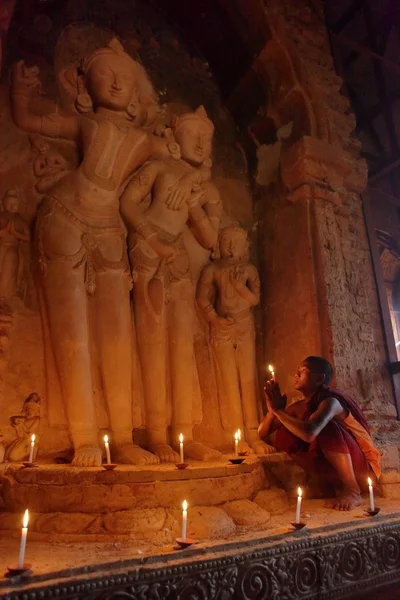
347, 500
165, 453
245, 447
87, 456
261, 448
132, 454
198, 451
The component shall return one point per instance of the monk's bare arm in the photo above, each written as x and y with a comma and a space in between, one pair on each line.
271, 423
309, 430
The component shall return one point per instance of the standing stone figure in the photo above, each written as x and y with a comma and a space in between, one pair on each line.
25, 424
14, 231
81, 244
227, 290
158, 204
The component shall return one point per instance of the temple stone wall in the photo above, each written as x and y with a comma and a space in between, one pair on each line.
308, 231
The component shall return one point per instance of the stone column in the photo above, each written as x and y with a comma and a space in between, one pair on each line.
324, 293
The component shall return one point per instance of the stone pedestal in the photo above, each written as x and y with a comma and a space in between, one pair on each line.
139, 502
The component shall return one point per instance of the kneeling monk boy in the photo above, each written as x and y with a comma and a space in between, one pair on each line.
325, 433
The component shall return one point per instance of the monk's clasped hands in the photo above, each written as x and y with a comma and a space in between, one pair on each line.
274, 399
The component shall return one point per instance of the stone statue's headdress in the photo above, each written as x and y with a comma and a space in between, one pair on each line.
199, 114
113, 48
142, 108
230, 228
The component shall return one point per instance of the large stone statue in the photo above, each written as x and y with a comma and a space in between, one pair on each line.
25, 424
81, 244
14, 231
227, 290
158, 204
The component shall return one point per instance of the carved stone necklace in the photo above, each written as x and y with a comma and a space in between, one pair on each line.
122, 123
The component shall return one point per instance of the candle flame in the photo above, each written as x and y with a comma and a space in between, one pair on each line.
369, 481
26, 518
106, 439
184, 505
33, 438
181, 438
236, 436
299, 492
239, 433
271, 368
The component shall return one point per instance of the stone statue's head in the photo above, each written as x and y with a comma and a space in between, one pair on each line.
11, 201
233, 242
32, 405
110, 78
194, 133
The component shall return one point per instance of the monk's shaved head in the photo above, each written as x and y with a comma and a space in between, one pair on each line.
320, 366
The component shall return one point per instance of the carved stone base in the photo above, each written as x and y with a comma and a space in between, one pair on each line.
142, 502
326, 562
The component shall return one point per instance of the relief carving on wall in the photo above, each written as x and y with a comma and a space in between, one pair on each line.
130, 225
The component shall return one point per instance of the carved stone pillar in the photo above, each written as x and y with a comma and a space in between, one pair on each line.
324, 298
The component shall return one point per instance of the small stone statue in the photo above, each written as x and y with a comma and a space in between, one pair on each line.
14, 231
25, 424
158, 205
49, 166
227, 290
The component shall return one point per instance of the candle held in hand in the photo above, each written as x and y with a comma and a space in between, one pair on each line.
299, 495
184, 520
32, 448
23, 540
106, 444
181, 447
271, 370
371, 495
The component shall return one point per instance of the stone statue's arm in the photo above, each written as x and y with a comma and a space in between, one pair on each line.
247, 284
205, 294
24, 82
22, 234
136, 191
135, 217
205, 216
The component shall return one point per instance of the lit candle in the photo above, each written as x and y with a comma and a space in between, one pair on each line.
239, 437
23, 540
299, 492
236, 443
32, 448
371, 495
184, 520
271, 370
181, 447
107, 449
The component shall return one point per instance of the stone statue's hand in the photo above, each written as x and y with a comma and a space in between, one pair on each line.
238, 276
223, 321
24, 79
177, 196
165, 251
194, 197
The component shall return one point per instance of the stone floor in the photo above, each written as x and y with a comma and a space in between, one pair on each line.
60, 558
